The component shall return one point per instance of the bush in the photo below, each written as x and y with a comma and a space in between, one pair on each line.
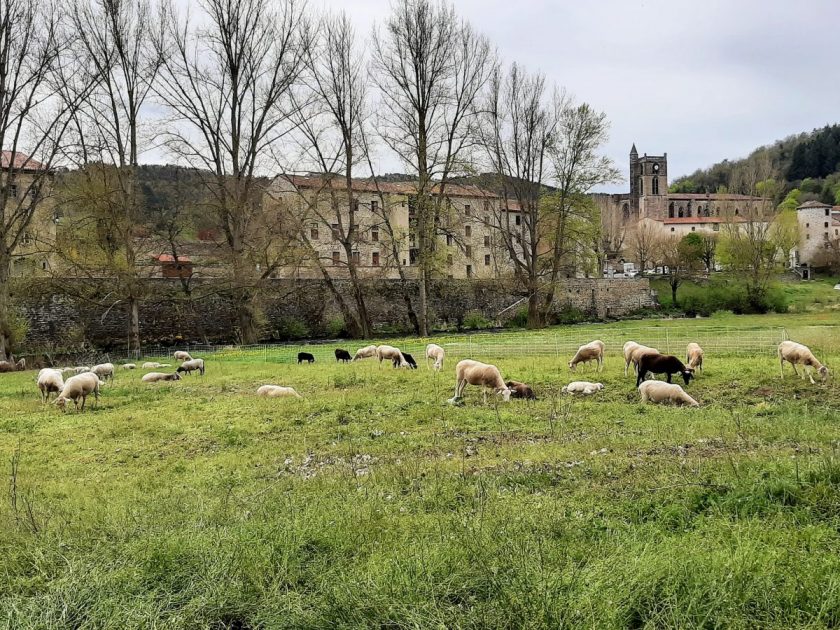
292, 328
336, 328
476, 321
569, 315
720, 295
519, 320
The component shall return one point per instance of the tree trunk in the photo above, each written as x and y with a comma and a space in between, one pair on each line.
423, 320
674, 288
534, 318
246, 316
5, 310
134, 326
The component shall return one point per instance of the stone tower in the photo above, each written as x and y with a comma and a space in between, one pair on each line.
648, 185
634, 181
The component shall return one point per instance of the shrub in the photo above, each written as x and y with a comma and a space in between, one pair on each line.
476, 321
292, 328
519, 320
569, 315
336, 328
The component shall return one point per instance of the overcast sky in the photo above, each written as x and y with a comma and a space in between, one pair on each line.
702, 80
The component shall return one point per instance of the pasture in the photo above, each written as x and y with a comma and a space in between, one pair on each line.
373, 503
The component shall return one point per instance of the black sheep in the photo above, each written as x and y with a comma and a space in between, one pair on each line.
342, 355
662, 364
408, 359
305, 356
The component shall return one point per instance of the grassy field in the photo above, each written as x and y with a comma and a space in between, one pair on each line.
373, 503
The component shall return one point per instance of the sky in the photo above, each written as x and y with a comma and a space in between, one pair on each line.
702, 80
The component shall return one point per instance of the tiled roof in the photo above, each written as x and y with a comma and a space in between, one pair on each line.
701, 220
13, 159
710, 197
813, 204
169, 258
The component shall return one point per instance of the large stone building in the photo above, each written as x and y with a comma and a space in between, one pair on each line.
819, 233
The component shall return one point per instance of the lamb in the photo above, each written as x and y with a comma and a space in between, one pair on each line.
796, 353
482, 374
437, 354
593, 351
582, 387
156, 377
181, 355
104, 371
276, 391
520, 390
191, 366
365, 353
408, 359
129, 366
662, 364
659, 392
390, 353
694, 356
342, 355
79, 386
305, 356
633, 352
50, 380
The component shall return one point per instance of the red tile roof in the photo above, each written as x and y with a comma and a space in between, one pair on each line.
709, 197
813, 204
16, 160
681, 220
169, 258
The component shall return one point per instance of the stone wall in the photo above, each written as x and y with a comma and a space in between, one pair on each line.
296, 309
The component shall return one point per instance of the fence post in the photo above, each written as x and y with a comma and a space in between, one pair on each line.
667, 342
469, 345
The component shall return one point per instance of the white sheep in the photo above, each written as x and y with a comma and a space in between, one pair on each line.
694, 356
390, 353
182, 355
129, 366
482, 374
67, 370
437, 354
104, 371
81, 369
582, 387
276, 391
798, 354
79, 386
662, 392
153, 365
592, 351
156, 377
634, 354
191, 366
365, 353
50, 380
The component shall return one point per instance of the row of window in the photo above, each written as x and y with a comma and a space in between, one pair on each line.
715, 228
807, 225
375, 260
357, 258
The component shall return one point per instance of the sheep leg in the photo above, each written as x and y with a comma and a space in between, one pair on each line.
601, 363
669, 377
626, 365
84, 398
807, 370
484, 390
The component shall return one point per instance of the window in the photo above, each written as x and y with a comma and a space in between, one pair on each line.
449, 240
374, 206
412, 239
641, 186
467, 209
467, 231
826, 224
486, 219
486, 260
486, 240
807, 237
692, 228
357, 258
335, 233
374, 259
681, 212
469, 271
625, 210
412, 256
27, 239
655, 186
518, 219
313, 232
354, 204
671, 210
737, 212
13, 191
825, 236
716, 227
807, 225
827, 212
449, 261
486, 206
374, 235
468, 251
336, 258
672, 229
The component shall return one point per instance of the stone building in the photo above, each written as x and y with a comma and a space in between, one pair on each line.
33, 253
819, 233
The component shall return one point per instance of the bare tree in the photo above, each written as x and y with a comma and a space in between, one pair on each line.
228, 86
430, 68
41, 86
644, 244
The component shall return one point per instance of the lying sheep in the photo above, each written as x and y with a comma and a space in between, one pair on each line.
659, 392
694, 356
582, 387
520, 390
662, 364
390, 353
365, 353
482, 374
104, 371
593, 351
79, 386
50, 380
181, 355
157, 377
153, 365
436, 354
191, 366
81, 369
276, 391
129, 366
633, 352
798, 354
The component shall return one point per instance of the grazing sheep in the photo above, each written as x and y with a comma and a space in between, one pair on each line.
796, 353
365, 353
662, 364
50, 380
520, 390
593, 351
582, 387
408, 359
482, 374
276, 391
156, 377
7, 366
342, 355
390, 353
81, 369
305, 356
660, 392
79, 386
104, 371
191, 366
129, 366
181, 355
633, 352
437, 354
694, 356
21, 365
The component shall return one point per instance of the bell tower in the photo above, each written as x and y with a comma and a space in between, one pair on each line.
635, 181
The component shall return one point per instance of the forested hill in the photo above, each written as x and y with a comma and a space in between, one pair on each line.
809, 162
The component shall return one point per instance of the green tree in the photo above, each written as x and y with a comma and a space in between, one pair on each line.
682, 257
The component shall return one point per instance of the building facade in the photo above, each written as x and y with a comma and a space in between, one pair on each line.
819, 233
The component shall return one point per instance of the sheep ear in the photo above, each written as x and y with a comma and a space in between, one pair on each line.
689, 370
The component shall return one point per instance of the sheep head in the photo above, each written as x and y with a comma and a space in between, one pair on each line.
687, 374
505, 394
823, 371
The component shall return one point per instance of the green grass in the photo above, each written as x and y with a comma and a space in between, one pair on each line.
373, 503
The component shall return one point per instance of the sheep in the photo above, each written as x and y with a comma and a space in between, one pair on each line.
437, 354
796, 353
191, 366
20, 366
81, 369
342, 355
408, 359
104, 371
662, 364
694, 356
79, 386
305, 356
67, 370
582, 387
181, 355
129, 366
276, 391
7, 366
390, 353
153, 365
520, 390
660, 392
593, 351
156, 377
633, 352
50, 380
365, 353
482, 374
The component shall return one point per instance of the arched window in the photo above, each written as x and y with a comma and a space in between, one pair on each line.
717, 211
641, 186
737, 212
688, 210
625, 210
681, 212
671, 210
655, 186
706, 211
